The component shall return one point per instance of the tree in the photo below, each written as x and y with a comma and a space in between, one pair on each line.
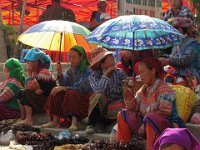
20, 30
3, 53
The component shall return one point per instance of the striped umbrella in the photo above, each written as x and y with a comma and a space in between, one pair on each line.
56, 35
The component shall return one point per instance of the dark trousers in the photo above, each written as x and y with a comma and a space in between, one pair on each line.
96, 117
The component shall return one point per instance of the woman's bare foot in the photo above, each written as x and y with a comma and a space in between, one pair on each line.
24, 122
51, 125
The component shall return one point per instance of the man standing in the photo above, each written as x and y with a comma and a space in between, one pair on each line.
57, 12
177, 10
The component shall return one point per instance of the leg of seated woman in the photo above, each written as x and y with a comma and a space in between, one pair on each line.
29, 116
54, 107
124, 133
151, 137
75, 105
155, 124
7, 113
74, 124
22, 110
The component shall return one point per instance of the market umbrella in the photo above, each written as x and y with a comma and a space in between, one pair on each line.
56, 35
135, 32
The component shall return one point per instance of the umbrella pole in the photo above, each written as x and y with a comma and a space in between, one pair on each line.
60, 55
133, 62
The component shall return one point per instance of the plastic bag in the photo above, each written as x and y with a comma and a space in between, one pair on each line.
5, 138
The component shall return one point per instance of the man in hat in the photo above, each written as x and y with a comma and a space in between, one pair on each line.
99, 16
177, 10
57, 12
105, 80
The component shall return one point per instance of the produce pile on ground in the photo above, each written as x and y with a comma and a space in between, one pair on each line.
29, 135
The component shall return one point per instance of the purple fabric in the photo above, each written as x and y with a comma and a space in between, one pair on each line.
180, 136
7, 113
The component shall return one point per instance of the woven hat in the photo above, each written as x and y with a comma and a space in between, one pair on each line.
98, 54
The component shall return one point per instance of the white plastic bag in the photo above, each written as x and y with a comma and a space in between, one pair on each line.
5, 138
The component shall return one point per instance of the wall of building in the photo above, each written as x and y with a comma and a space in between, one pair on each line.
151, 8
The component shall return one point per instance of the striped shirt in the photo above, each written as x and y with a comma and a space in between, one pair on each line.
76, 80
109, 86
183, 12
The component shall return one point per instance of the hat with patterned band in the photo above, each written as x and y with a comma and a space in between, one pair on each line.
98, 54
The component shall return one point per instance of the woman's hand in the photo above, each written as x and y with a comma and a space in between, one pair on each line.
109, 71
39, 91
130, 104
141, 131
59, 69
58, 89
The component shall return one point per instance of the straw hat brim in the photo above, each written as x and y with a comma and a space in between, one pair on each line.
99, 57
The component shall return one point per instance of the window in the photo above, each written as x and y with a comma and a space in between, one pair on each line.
152, 3
129, 1
145, 2
159, 3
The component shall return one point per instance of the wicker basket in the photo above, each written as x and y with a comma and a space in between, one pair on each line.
137, 85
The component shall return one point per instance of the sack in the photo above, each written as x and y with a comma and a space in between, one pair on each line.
185, 101
5, 138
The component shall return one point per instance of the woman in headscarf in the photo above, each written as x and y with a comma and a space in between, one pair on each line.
105, 80
185, 58
9, 88
152, 110
176, 138
70, 99
38, 86
130, 59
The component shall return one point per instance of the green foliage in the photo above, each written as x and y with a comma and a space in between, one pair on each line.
10, 43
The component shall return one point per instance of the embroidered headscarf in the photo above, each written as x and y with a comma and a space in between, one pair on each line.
16, 70
36, 54
180, 136
84, 63
154, 63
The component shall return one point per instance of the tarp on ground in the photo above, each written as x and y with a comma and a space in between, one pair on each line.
81, 8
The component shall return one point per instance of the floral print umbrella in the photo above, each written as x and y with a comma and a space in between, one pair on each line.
135, 32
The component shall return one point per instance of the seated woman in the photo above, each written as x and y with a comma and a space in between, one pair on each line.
38, 86
70, 100
9, 88
105, 80
176, 139
152, 109
185, 58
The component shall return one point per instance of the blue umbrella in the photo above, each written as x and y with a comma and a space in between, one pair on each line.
135, 32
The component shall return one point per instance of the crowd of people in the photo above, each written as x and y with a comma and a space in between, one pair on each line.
94, 89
